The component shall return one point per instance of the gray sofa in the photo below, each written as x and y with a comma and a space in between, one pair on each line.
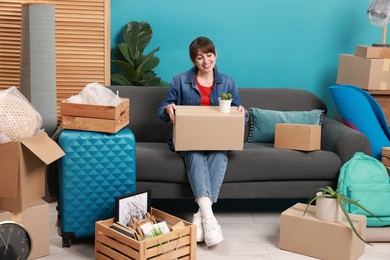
260, 170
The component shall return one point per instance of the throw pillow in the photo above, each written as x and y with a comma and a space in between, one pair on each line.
262, 122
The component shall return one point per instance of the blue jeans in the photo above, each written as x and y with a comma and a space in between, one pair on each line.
205, 171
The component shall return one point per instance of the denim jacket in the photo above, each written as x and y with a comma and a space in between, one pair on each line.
184, 91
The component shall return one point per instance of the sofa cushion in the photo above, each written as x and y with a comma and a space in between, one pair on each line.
262, 162
155, 162
262, 122
257, 162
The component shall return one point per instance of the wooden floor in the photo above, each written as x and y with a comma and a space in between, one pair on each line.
250, 229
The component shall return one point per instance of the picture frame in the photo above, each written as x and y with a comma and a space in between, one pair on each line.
132, 205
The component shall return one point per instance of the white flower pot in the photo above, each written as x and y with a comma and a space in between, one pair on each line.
224, 105
327, 209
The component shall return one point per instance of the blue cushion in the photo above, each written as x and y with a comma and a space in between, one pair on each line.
262, 122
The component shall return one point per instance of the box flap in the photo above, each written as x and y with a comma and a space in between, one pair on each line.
9, 157
44, 147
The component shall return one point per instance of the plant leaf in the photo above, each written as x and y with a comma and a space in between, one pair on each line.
117, 78
150, 79
124, 50
323, 195
126, 68
350, 221
148, 62
356, 203
137, 36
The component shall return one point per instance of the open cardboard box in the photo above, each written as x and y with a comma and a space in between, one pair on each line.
22, 171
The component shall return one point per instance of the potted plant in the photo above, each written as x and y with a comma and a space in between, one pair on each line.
342, 200
225, 101
133, 67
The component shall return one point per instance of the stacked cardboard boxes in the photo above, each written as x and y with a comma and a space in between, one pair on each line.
368, 68
22, 187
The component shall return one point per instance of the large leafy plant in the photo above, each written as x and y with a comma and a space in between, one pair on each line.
342, 200
134, 67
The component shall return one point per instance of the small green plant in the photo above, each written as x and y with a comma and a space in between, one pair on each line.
226, 96
154, 232
342, 200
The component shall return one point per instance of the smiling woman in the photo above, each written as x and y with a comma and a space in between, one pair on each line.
202, 85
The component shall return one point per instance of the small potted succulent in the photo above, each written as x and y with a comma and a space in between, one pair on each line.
339, 200
225, 101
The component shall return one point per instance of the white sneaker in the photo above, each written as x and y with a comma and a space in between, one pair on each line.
212, 231
197, 220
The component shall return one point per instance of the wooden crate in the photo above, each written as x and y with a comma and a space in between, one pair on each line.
178, 244
98, 118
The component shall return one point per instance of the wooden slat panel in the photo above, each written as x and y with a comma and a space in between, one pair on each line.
10, 30
82, 44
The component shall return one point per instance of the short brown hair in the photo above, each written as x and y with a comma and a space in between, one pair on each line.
201, 43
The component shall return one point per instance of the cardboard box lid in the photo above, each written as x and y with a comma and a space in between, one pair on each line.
43, 147
40, 145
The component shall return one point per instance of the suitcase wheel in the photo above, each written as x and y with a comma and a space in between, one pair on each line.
66, 242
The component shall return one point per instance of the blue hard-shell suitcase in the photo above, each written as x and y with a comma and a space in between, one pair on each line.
96, 168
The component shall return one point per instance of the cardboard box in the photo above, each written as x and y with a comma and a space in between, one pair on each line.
386, 161
370, 52
22, 171
386, 152
5, 215
298, 137
310, 236
369, 74
36, 221
98, 118
205, 128
177, 244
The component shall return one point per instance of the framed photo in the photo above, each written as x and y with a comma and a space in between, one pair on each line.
136, 204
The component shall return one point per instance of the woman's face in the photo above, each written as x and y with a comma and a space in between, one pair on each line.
205, 62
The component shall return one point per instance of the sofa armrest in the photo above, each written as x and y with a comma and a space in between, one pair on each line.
342, 140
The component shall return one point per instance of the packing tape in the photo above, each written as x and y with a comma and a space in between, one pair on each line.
386, 64
383, 85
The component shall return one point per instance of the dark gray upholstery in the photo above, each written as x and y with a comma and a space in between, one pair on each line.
259, 171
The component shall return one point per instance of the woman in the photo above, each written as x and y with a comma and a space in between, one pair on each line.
202, 86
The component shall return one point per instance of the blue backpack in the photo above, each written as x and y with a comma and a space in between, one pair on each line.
365, 179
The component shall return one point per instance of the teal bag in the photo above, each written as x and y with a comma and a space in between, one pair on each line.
365, 179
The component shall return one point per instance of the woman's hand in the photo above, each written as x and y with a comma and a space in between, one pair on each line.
170, 110
241, 109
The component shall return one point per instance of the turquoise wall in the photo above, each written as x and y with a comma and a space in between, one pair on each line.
284, 43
